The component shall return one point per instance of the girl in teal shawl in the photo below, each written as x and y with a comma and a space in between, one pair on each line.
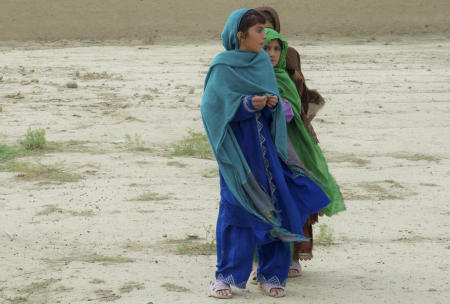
306, 148
265, 197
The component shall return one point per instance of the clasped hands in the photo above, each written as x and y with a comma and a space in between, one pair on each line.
260, 102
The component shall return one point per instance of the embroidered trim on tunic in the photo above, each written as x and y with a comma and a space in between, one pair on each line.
262, 140
273, 280
230, 280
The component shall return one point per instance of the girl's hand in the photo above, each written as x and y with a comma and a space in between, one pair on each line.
259, 102
272, 101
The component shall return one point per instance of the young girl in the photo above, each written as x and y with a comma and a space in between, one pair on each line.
306, 148
265, 198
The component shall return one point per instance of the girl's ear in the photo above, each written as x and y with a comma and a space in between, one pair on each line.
239, 36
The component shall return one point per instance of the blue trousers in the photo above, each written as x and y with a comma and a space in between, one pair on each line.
235, 249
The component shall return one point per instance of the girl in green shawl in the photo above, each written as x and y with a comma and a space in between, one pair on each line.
306, 148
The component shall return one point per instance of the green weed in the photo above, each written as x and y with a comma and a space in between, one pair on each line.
34, 140
9, 152
27, 291
195, 145
14, 300
325, 236
136, 144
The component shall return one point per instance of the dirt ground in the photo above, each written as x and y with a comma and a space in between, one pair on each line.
161, 20
115, 216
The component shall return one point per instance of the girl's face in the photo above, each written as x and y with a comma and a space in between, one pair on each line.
254, 41
273, 49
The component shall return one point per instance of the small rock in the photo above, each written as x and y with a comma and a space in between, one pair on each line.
119, 141
164, 235
72, 85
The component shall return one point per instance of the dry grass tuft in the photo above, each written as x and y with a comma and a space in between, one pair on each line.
46, 173
130, 286
176, 164
105, 295
49, 209
92, 258
174, 287
377, 190
416, 157
151, 196
27, 291
349, 158
211, 173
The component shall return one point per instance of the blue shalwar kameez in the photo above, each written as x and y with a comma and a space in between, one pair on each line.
239, 232
265, 198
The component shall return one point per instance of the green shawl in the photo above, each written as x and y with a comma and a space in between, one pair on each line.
307, 150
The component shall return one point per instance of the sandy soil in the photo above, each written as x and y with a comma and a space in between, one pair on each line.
160, 20
384, 129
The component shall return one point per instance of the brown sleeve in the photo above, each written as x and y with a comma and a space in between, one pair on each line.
307, 96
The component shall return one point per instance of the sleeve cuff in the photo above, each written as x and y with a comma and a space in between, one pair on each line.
247, 102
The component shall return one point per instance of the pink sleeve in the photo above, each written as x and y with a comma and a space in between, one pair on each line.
287, 110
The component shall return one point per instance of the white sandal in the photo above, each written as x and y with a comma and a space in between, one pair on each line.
217, 286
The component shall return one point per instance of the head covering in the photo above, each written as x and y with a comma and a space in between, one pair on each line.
229, 33
232, 75
272, 13
285, 85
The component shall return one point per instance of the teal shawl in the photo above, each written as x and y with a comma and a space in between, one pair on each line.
232, 75
305, 147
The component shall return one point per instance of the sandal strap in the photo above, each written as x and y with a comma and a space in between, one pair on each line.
220, 285
296, 266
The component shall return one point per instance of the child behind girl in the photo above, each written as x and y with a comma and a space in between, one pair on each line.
306, 148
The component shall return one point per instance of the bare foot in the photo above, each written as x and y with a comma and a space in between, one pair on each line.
277, 292
225, 293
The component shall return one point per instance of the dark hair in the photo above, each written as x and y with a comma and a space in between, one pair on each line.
268, 17
280, 43
250, 18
